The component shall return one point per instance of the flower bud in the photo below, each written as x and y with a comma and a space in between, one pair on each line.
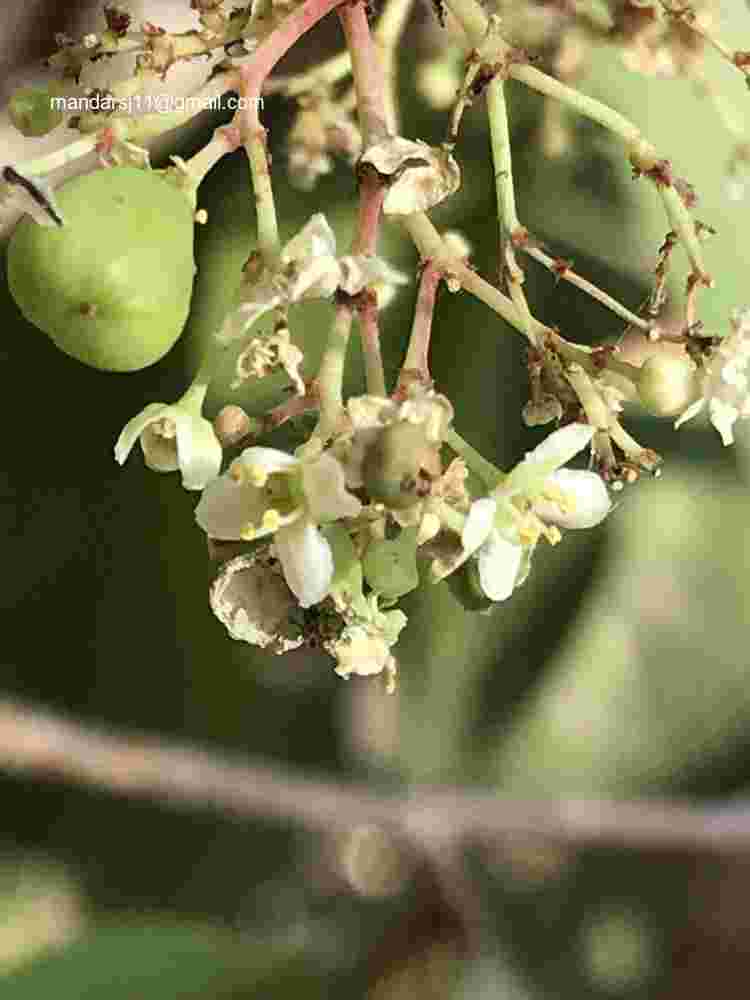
438, 82
392, 464
667, 385
231, 425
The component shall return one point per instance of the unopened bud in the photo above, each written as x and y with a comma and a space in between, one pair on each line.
439, 82
231, 425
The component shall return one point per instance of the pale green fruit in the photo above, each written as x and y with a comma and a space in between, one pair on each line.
31, 111
112, 286
668, 385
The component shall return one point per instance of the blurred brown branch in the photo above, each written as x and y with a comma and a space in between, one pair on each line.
46, 745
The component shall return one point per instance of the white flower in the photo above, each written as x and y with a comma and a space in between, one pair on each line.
725, 383
308, 268
269, 492
503, 536
175, 437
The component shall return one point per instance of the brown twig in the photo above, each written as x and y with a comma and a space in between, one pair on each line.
39, 743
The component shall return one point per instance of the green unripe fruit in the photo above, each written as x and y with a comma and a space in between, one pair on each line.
30, 109
112, 286
667, 385
392, 464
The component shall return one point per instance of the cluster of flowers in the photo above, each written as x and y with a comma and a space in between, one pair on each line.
336, 534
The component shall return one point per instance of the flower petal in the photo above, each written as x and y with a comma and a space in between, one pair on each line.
268, 459
306, 559
239, 320
589, 500
198, 450
692, 411
315, 239
557, 448
226, 507
135, 427
499, 563
326, 496
479, 524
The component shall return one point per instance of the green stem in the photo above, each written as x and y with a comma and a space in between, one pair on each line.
478, 464
497, 112
330, 377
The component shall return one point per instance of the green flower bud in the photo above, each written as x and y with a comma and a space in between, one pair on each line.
668, 385
31, 112
392, 465
112, 285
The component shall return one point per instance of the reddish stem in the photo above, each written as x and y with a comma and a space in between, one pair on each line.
416, 363
269, 52
367, 311
371, 198
367, 73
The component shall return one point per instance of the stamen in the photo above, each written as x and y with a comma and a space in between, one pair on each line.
257, 475
271, 520
237, 473
248, 532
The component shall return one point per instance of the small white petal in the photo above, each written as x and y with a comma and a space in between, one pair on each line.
723, 417
226, 507
198, 450
326, 496
307, 561
479, 524
239, 321
357, 272
135, 427
558, 448
268, 459
499, 563
692, 411
315, 239
589, 500
317, 279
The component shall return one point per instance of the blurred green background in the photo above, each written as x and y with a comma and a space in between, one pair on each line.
619, 668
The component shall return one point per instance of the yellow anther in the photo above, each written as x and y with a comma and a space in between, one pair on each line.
237, 472
248, 532
271, 520
552, 533
565, 501
257, 475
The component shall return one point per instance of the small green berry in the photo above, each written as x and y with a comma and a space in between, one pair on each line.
667, 385
112, 286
